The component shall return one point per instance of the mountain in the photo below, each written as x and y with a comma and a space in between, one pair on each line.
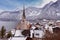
9, 15
31, 14
44, 13
49, 11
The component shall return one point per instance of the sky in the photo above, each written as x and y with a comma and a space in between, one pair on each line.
17, 4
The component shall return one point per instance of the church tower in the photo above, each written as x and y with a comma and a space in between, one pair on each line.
23, 24
23, 15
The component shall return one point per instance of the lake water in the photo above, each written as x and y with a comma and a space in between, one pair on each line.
8, 24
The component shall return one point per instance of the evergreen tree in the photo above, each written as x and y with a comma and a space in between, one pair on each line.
3, 32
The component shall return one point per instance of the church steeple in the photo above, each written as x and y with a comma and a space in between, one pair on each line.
23, 24
23, 15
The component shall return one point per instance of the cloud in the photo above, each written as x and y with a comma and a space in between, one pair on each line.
47, 1
17, 4
1, 10
44, 3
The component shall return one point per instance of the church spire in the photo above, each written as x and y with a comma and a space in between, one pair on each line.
23, 15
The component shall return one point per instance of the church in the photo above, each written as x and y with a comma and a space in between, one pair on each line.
23, 24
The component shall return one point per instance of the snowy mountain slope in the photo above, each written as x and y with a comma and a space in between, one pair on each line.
9, 15
31, 13
49, 11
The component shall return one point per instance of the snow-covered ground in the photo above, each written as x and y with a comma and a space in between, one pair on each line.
17, 38
18, 35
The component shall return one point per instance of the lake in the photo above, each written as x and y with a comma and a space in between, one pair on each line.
8, 24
